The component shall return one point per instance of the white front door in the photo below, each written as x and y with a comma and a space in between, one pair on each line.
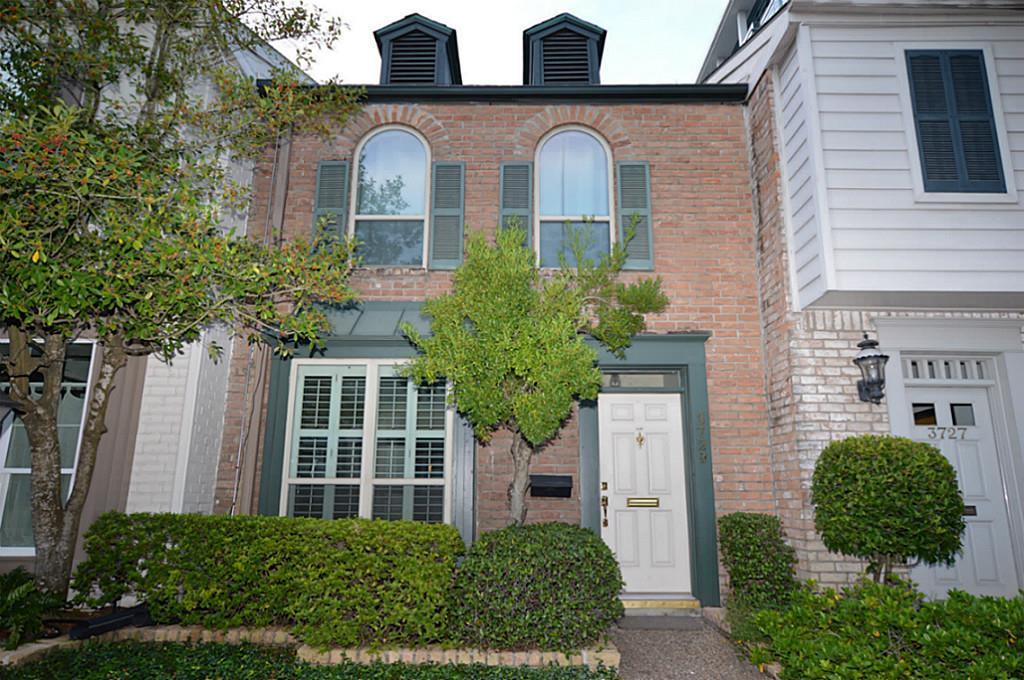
957, 421
643, 492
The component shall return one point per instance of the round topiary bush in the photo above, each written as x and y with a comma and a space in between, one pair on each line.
548, 586
887, 500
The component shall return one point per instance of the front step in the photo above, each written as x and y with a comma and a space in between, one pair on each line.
674, 613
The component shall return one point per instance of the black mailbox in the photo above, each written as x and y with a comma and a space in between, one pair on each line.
551, 486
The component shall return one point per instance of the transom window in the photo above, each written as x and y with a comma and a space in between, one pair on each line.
366, 442
575, 197
16, 456
390, 204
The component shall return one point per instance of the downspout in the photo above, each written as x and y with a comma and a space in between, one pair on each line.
245, 467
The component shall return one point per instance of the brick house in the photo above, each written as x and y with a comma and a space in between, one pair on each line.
887, 155
338, 435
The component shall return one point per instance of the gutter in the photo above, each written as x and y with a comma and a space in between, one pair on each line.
589, 94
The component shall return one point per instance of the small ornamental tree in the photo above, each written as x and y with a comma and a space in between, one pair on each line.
887, 500
510, 339
113, 187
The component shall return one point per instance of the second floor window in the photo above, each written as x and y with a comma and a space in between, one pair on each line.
955, 125
575, 201
391, 199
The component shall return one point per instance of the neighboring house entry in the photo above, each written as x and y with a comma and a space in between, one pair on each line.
643, 492
956, 417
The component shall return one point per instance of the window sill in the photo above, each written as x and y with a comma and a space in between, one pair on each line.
17, 552
1005, 197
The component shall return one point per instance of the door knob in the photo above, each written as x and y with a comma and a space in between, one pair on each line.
604, 510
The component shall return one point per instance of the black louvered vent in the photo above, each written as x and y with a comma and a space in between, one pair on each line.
413, 59
566, 58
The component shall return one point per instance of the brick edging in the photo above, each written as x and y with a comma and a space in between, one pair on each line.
606, 655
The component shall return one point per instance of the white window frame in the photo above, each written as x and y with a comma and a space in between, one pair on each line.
910, 129
367, 480
354, 198
5, 441
538, 218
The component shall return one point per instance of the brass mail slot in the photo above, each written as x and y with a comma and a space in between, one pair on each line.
970, 511
643, 502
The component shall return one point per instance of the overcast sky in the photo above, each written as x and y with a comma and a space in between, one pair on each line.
649, 41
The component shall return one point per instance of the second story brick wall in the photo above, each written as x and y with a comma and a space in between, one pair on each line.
703, 251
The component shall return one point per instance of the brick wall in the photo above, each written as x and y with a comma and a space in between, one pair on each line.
158, 437
704, 252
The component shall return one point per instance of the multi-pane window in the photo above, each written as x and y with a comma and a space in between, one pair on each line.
954, 121
574, 205
15, 465
390, 209
366, 441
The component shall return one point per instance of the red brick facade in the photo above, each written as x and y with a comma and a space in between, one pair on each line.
704, 252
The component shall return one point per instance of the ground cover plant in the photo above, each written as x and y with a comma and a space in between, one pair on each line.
873, 630
550, 586
164, 661
22, 608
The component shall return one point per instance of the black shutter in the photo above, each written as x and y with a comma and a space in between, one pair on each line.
331, 198
956, 131
446, 223
517, 197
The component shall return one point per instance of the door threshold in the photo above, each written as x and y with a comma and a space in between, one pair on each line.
682, 606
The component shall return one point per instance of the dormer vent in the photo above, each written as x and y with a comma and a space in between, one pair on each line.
413, 59
418, 51
566, 58
564, 50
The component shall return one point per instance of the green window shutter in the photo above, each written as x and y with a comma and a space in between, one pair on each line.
634, 184
332, 195
517, 197
448, 182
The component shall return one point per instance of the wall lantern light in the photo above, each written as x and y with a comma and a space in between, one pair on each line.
871, 362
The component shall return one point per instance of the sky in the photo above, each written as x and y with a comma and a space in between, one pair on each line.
649, 41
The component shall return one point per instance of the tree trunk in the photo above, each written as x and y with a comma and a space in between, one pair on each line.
522, 453
55, 522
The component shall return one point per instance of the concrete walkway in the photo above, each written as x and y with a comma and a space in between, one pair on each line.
697, 653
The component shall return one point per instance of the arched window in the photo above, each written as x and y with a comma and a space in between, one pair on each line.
390, 203
575, 198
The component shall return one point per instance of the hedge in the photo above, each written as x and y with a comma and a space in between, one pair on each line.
550, 586
337, 582
167, 661
890, 632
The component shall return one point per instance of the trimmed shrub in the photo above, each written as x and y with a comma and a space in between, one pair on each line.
553, 586
887, 500
759, 562
760, 565
881, 631
22, 607
174, 661
338, 582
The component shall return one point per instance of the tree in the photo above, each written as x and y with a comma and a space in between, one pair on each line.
112, 190
887, 500
511, 340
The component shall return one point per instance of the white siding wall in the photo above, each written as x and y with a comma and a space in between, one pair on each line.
885, 235
800, 183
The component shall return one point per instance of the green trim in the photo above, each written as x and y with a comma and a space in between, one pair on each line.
273, 442
686, 353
